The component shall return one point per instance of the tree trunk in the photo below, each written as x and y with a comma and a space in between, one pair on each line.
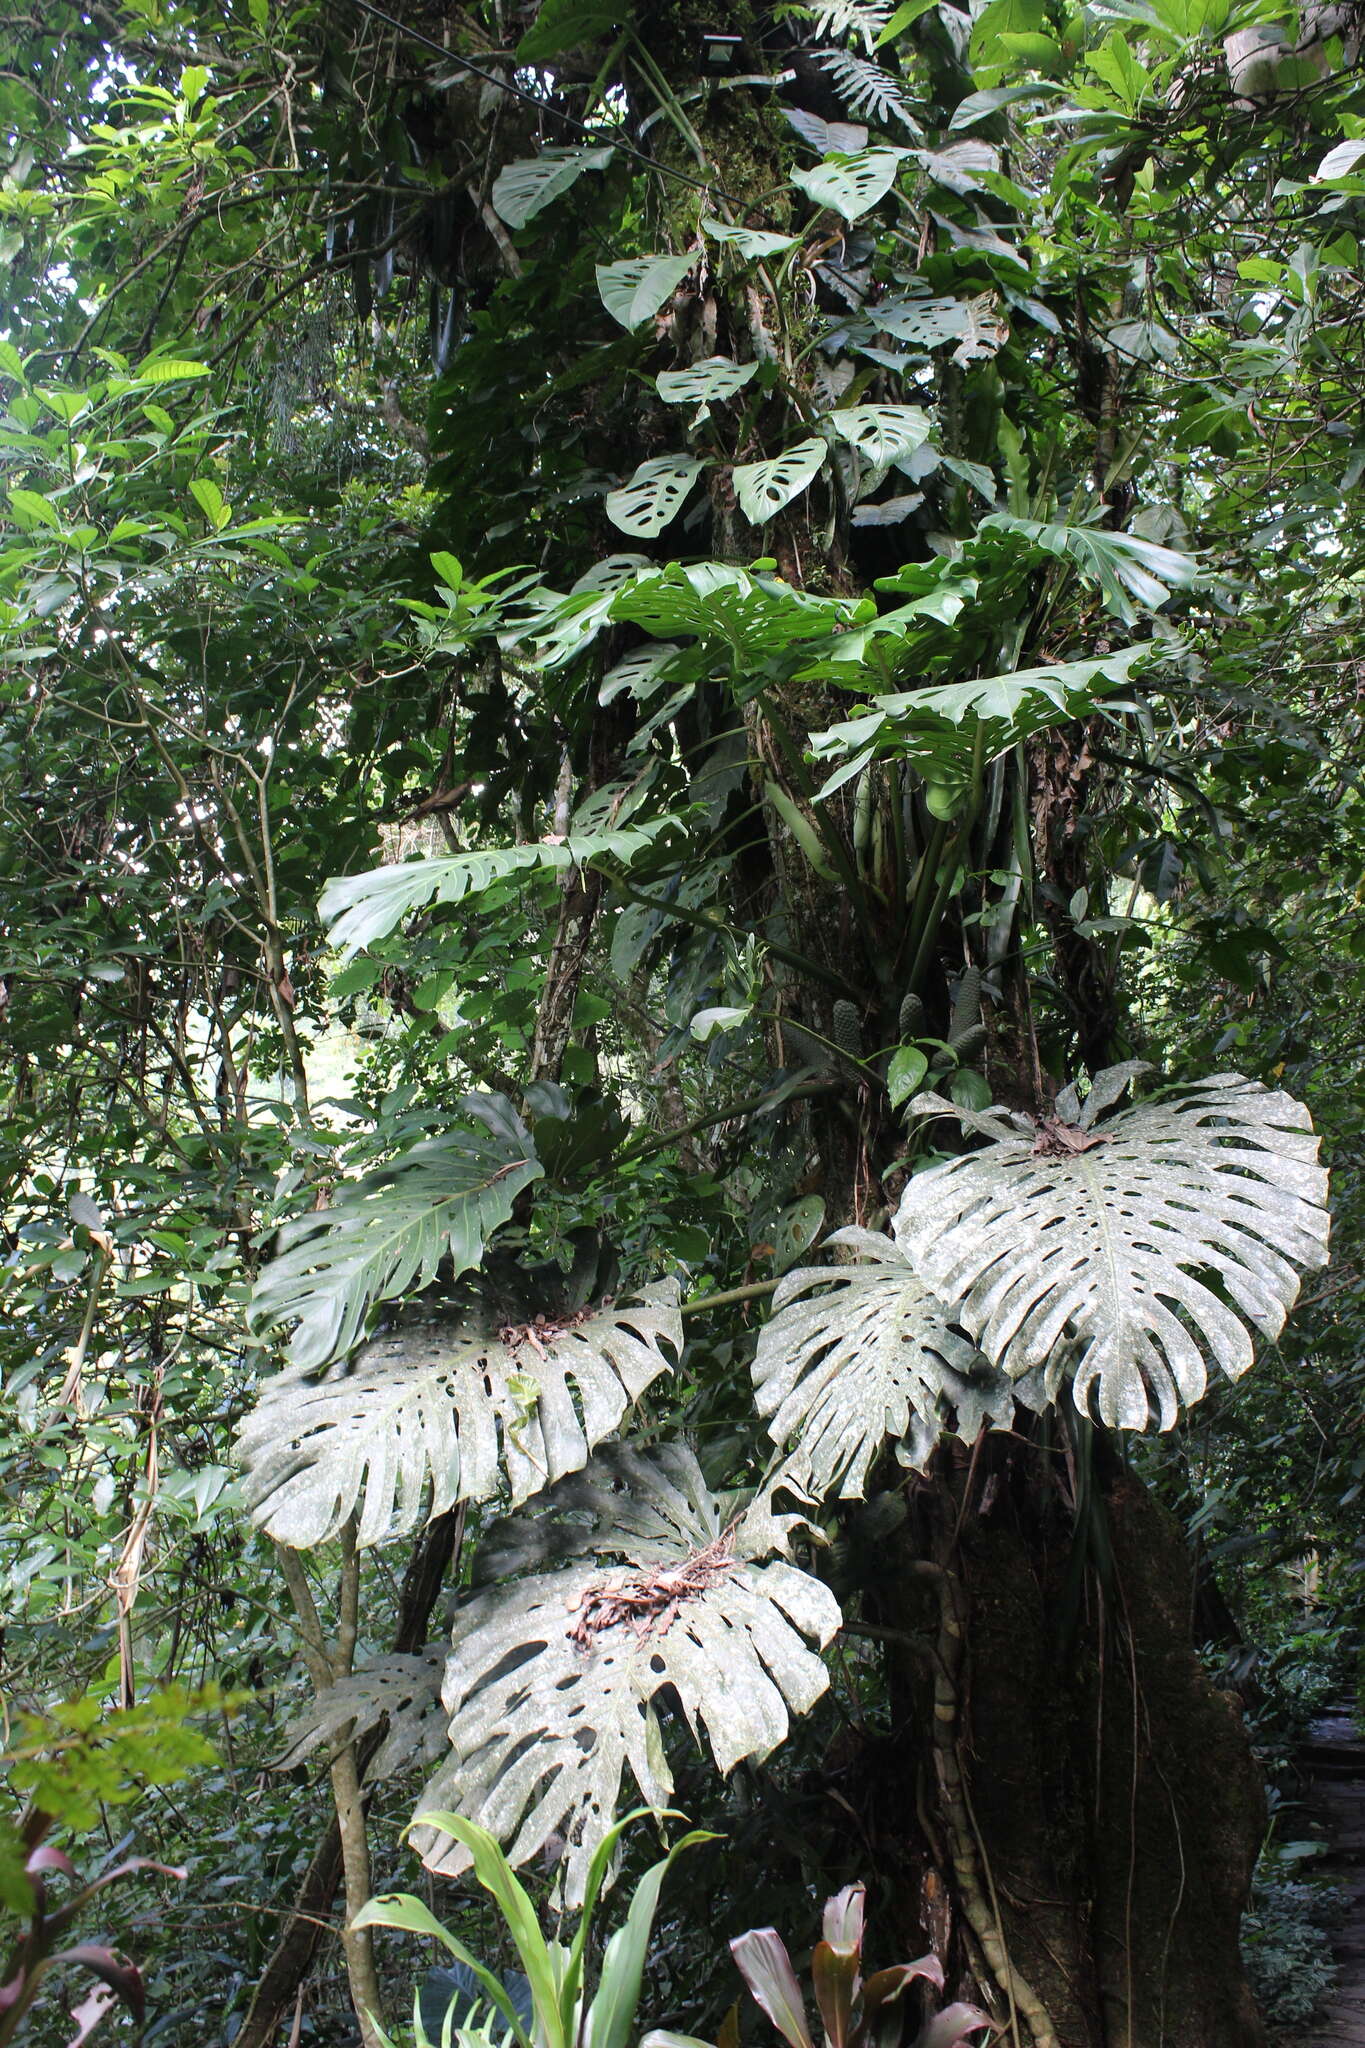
1066, 1760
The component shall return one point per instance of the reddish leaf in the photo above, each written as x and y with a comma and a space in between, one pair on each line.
766, 1968
844, 1919
89, 2013
950, 2028
124, 1979
884, 1985
835, 1975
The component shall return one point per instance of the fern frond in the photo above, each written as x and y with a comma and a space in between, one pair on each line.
868, 90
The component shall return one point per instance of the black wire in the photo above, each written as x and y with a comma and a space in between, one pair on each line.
530, 99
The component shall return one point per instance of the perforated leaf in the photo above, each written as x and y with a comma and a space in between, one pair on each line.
763, 488
636, 1584
362, 908
825, 137
1105, 1241
937, 728
750, 614
387, 1233
633, 291
881, 432
452, 1402
974, 325
751, 243
855, 1354
654, 495
642, 671
403, 1690
1123, 564
520, 190
705, 382
852, 185
962, 165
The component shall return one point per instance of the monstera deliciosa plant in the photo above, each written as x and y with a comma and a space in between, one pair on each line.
1099, 1255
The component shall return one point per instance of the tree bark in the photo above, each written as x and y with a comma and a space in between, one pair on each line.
1098, 1812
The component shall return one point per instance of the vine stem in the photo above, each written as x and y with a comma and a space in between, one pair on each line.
325, 1667
699, 1303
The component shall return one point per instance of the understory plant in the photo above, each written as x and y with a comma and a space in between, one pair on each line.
855, 2011
568, 2001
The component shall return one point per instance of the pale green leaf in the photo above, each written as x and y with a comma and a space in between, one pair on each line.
211, 502
881, 432
362, 908
654, 496
752, 243
1092, 1244
764, 488
854, 1354
32, 505
740, 1653
852, 185
702, 383
522, 189
633, 291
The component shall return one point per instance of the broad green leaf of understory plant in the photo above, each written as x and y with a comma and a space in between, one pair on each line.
764, 488
636, 1584
854, 1354
520, 190
852, 185
1102, 1242
654, 496
388, 1232
565, 2009
454, 1401
634, 290
362, 908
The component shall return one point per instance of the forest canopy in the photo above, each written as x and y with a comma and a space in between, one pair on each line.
681, 864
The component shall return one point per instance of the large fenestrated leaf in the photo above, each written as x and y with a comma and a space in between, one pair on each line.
521, 189
654, 495
764, 488
362, 908
1123, 564
937, 727
852, 185
550, 1697
1105, 1241
402, 1690
855, 1354
881, 432
749, 614
386, 1234
453, 1403
633, 291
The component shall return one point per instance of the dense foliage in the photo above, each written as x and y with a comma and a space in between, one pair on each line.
681, 891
